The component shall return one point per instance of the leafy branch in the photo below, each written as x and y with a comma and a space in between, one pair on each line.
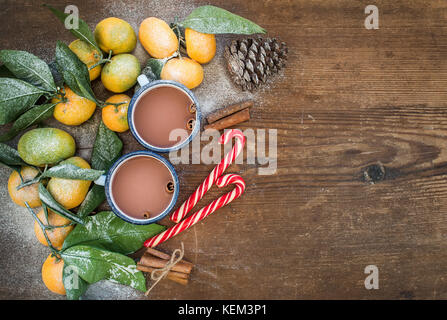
102, 61
33, 79
64, 171
47, 199
214, 20
45, 227
83, 32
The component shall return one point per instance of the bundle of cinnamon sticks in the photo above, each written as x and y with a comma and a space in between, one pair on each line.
154, 259
229, 116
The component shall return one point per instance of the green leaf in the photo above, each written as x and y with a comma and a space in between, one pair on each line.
49, 201
5, 73
16, 96
86, 90
83, 32
74, 72
70, 171
29, 118
74, 285
106, 230
152, 70
94, 198
10, 157
214, 20
29, 68
56, 74
106, 149
29, 182
95, 264
179, 32
154, 67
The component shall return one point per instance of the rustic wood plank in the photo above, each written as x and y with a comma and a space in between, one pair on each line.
349, 98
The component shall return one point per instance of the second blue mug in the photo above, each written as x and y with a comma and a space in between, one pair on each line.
107, 181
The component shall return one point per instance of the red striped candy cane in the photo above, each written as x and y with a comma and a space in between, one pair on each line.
183, 210
205, 211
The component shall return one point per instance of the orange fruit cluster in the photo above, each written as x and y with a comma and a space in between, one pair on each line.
116, 36
160, 42
68, 192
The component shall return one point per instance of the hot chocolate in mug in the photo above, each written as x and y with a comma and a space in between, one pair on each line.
163, 115
141, 187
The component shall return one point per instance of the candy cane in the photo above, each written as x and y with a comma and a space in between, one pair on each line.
205, 211
183, 210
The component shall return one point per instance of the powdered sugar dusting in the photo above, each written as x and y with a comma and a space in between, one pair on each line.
217, 89
136, 11
107, 290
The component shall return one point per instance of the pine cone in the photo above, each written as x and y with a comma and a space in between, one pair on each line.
252, 61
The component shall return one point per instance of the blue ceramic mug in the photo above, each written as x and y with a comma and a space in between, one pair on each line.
107, 182
146, 87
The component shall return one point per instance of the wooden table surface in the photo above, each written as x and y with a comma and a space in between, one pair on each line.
350, 100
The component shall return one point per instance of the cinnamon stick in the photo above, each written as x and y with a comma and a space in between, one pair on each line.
164, 256
178, 277
155, 262
172, 273
231, 120
158, 254
224, 112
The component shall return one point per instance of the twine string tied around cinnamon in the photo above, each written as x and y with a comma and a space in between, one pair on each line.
158, 274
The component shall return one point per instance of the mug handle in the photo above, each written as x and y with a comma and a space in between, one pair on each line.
142, 80
101, 181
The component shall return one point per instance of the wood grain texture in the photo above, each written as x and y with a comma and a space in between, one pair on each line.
348, 99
